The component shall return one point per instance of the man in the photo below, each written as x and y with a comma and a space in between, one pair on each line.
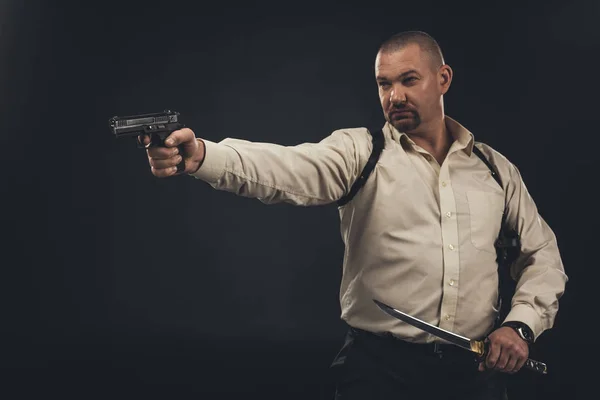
419, 235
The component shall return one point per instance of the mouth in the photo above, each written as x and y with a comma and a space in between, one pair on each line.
401, 114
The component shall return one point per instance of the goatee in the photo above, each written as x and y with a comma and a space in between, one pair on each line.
405, 124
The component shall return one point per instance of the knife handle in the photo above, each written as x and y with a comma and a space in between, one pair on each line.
533, 365
536, 366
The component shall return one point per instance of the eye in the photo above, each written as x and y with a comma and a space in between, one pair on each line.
410, 79
383, 84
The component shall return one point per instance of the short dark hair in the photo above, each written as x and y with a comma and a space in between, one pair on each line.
425, 41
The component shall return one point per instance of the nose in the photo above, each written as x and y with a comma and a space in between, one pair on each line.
397, 96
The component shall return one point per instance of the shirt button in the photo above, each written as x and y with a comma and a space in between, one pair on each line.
448, 214
447, 317
443, 183
451, 247
452, 282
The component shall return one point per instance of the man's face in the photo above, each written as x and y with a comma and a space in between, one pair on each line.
410, 88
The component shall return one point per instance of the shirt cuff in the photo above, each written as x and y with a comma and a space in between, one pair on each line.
215, 159
527, 315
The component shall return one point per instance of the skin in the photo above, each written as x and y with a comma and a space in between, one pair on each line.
409, 81
181, 144
411, 90
508, 352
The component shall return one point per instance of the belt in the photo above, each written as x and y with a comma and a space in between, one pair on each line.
422, 348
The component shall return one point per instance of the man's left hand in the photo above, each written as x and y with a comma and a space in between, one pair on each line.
507, 351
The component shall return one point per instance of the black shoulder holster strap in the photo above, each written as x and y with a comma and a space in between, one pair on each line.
508, 240
508, 249
378, 143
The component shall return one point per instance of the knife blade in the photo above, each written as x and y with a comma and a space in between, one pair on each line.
476, 346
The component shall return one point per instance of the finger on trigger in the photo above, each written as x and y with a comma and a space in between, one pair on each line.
144, 140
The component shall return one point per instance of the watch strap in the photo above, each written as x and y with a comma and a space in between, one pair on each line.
522, 329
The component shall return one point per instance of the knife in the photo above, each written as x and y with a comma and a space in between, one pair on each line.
476, 346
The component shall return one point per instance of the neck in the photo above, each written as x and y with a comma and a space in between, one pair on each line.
435, 139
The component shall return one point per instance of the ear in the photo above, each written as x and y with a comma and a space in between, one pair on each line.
445, 74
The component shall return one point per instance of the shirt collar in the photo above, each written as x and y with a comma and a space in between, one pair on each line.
462, 136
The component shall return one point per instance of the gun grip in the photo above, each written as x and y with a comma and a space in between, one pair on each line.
181, 165
157, 140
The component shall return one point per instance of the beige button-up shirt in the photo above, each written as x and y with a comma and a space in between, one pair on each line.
418, 236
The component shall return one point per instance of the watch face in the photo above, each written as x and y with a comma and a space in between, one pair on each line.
524, 334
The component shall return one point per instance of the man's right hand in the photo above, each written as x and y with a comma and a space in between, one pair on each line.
179, 144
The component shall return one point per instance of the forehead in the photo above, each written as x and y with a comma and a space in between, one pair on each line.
398, 61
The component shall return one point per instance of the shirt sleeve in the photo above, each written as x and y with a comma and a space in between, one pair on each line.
539, 271
305, 174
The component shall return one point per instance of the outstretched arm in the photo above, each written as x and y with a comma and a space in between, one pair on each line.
305, 174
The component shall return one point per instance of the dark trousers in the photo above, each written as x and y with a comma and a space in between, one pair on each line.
374, 367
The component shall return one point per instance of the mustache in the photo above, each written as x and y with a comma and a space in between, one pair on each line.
401, 109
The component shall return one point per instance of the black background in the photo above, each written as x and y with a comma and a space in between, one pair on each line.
116, 284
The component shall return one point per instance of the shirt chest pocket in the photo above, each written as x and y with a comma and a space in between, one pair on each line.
485, 216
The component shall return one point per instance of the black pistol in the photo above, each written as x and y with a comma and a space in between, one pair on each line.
157, 126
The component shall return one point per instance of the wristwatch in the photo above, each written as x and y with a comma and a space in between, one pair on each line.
522, 329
